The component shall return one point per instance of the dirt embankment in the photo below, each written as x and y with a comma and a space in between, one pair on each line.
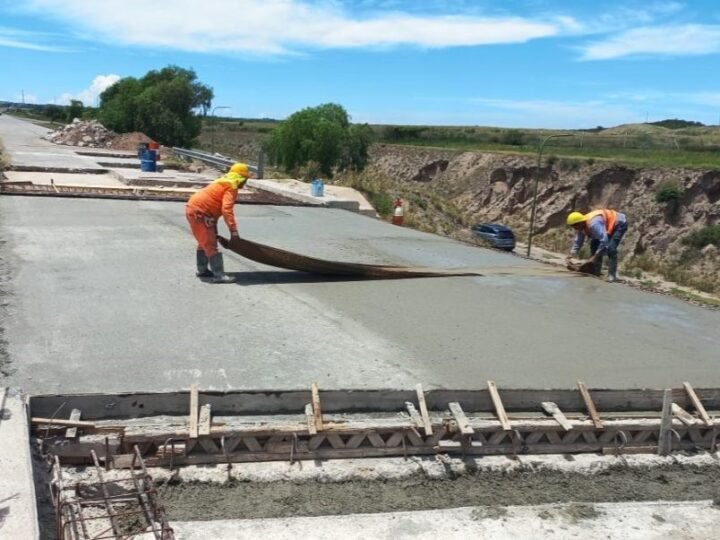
447, 191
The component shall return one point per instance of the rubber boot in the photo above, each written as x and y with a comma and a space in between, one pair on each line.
612, 269
201, 261
218, 269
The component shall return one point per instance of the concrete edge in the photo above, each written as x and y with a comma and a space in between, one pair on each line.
18, 507
329, 201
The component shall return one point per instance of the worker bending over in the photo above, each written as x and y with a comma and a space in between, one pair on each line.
203, 211
606, 229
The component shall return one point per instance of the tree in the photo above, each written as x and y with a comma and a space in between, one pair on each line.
322, 135
74, 110
53, 112
161, 104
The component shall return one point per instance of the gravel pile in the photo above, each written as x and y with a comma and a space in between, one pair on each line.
91, 134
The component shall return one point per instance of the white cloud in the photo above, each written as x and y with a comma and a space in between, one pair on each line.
22, 39
689, 39
88, 96
281, 26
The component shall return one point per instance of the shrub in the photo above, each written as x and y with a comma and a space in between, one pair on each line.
382, 202
552, 160
668, 192
704, 237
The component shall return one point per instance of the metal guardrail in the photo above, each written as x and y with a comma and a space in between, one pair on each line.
216, 160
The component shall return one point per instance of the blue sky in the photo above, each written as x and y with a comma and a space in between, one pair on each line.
515, 63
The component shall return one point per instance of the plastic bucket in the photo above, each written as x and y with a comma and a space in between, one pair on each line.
317, 188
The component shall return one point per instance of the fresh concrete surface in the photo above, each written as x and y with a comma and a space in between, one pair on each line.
24, 146
72, 179
103, 298
621, 521
333, 196
18, 514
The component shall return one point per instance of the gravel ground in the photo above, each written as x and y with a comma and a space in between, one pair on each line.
187, 501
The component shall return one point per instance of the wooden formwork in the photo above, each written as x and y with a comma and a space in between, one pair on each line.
196, 427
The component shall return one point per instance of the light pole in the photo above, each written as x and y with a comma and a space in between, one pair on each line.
212, 115
535, 190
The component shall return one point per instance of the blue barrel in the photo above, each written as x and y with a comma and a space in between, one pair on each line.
317, 188
148, 161
141, 148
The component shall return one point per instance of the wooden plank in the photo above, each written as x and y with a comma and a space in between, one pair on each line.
61, 422
498, 404
590, 405
423, 410
697, 404
204, 419
553, 410
71, 432
414, 414
684, 416
310, 418
194, 412
462, 420
664, 439
317, 410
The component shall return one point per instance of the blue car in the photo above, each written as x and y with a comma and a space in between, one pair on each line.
498, 236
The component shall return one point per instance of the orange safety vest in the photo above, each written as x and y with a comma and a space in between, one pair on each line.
609, 217
218, 198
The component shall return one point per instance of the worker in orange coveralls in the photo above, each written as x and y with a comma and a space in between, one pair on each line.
203, 211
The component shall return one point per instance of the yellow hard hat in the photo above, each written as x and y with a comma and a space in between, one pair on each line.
574, 218
240, 168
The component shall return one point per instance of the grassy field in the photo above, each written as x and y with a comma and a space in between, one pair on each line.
640, 145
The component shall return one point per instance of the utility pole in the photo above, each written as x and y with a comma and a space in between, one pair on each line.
535, 190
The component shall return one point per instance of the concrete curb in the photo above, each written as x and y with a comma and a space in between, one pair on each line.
18, 509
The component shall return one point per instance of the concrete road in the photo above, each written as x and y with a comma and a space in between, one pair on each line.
102, 298
24, 146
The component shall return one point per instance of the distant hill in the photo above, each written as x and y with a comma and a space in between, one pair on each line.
676, 123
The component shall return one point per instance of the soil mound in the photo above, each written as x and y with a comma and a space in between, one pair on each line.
129, 141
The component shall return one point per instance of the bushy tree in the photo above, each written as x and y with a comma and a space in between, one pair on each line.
323, 135
53, 112
74, 110
161, 104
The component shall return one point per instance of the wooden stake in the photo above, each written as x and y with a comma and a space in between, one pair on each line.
317, 411
414, 414
499, 408
553, 410
664, 440
205, 419
684, 416
424, 410
697, 404
71, 432
194, 401
310, 418
590, 405
462, 420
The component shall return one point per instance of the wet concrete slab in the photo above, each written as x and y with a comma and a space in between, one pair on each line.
103, 298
